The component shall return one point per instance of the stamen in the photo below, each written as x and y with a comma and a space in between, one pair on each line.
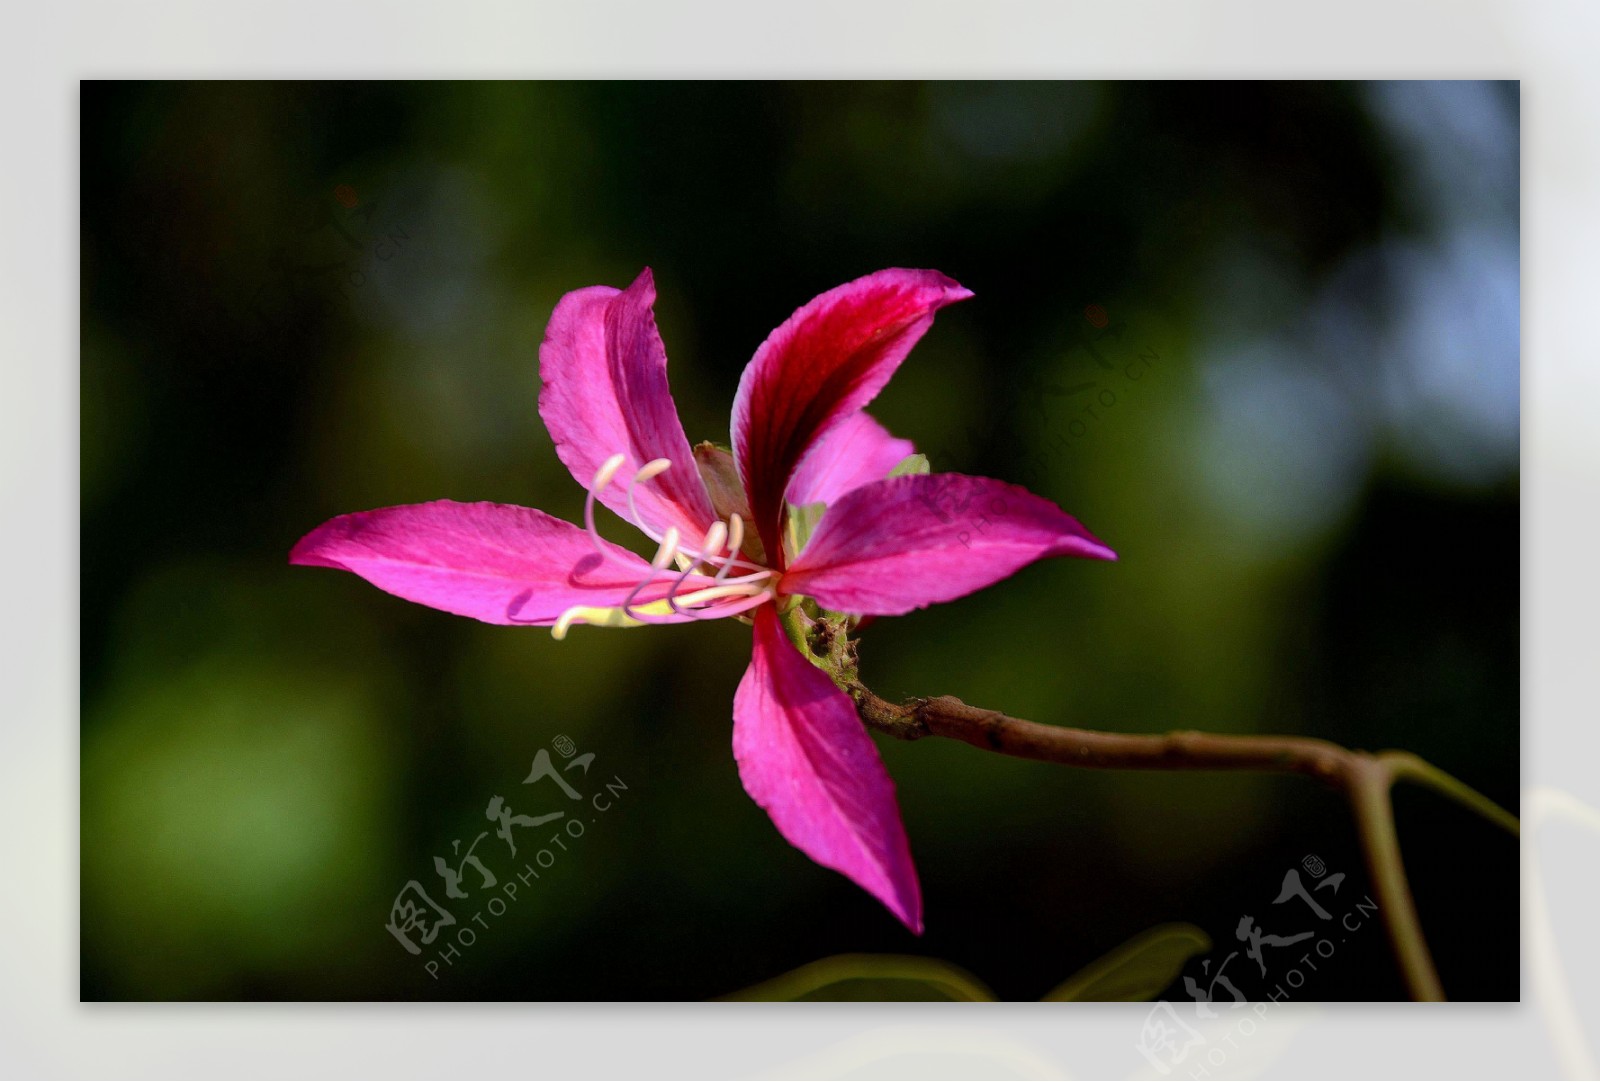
746, 586
712, 547
735, 539
727, 596
608, 469
743, 591
646, 472
707, 554
602, 478
738, 607
651, 469
754, 576
712, 593
733, 608
728, 601
669, 545
583, 614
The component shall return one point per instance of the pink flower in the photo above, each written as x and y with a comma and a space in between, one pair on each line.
884, 545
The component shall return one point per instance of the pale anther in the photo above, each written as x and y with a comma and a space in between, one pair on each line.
607, 471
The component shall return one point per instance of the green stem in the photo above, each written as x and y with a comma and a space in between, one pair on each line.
1369, 780
1404, 766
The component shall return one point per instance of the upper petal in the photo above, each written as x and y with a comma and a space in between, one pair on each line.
907, 542
852, 453
494, 562
804, 757
604, 391
825, 362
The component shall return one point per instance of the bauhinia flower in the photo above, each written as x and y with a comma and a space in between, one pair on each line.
816, 512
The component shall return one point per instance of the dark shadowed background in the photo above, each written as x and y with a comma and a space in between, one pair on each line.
1261, 338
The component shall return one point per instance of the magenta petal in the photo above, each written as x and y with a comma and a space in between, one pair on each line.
854, 452
804, 756
491, 561
604, 375
901, 544
825, 362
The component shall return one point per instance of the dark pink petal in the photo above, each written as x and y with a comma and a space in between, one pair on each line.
901, 544
804, 756
491, 561
604, 375
825, 362
852, 453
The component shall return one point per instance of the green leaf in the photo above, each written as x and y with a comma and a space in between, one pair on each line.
855, 978
910, 466
1138, 971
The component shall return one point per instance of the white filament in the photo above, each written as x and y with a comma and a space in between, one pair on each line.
728, 597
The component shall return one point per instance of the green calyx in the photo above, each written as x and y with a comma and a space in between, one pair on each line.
823, 638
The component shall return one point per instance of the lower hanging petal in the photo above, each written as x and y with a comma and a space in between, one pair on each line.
494, 562
908, 542
804, 757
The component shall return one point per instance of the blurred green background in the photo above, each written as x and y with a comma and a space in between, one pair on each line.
1261, 338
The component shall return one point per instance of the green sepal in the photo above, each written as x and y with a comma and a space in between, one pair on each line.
911, 466
801, 522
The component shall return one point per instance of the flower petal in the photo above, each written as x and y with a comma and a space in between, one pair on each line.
905, 543
604, 375
825, 362
852, 453
804, 757
491, 561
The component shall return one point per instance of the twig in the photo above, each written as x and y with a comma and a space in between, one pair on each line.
1365, 778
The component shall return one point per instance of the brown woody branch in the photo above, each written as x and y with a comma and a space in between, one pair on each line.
1365, 778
